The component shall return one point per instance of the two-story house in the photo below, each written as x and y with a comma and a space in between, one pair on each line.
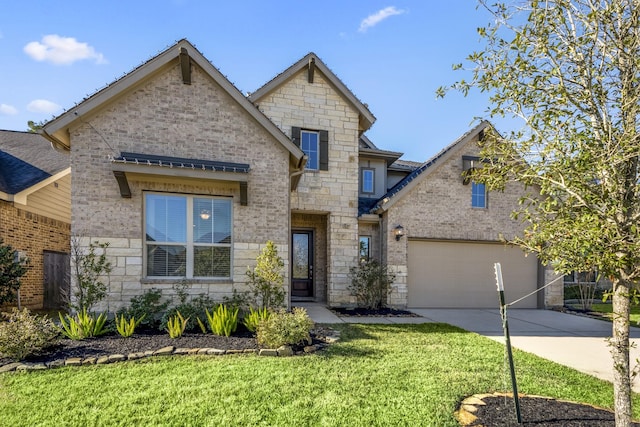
186, 178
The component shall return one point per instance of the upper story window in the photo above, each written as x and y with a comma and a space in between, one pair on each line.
478, 195
187, 236
367, 180
310, 144
315, 144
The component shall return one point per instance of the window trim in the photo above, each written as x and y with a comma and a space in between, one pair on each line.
317, 134
373, 180
475, 196
189, 243
368, 257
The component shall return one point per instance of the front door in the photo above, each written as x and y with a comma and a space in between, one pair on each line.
302, 264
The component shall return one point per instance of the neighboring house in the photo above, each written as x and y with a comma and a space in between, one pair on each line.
186, 179
35, 214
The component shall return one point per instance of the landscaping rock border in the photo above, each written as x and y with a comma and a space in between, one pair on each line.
327, 337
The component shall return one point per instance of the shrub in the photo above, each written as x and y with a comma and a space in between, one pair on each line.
24, 334
371, 284
254, 317
176, 325
223, 321
284, 328
146, 307
10, 273
266, 280
193, 310
89, 267
126, 327
83, 325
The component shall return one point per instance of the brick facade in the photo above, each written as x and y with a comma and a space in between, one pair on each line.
32, 234
167, 117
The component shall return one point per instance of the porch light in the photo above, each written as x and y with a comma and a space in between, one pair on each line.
205, 214
398, 232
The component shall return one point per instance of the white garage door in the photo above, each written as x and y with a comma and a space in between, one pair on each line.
461, 275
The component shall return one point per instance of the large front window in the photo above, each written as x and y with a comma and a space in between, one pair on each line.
187, 236
310, 145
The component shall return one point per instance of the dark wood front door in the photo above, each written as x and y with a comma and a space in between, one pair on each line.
302, 264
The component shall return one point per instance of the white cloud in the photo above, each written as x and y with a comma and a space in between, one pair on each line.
8, 110
43, 106
62, 50
379, 16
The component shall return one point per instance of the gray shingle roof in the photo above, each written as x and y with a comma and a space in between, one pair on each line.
26, 159
180, 162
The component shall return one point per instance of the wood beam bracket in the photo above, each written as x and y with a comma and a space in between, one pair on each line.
185, 66
311, 70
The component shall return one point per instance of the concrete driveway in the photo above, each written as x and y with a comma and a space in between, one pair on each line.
571, 340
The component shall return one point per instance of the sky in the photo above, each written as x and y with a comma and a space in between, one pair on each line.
392, 55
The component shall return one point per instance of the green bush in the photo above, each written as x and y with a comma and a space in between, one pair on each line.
371, 284
126, 327
223, 321
254, 317
266, 280
147, 307
83, 325
193, 310
176, 325
24, 334
284, 328
10, 273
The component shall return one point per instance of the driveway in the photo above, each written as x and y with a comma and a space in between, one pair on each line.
574, 341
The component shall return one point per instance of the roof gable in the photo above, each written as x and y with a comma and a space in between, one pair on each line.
419, 174
311, 63
57, 130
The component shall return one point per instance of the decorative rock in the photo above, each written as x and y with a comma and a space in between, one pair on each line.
117, 358
134, 356
310, 349
268, 352
56, 363
10, 367
36, 367
285, 351
250, 350
193, 351
22, 367
90, 361
73, 361
181, 351
203, 350
148, 353
164, 351
235, 351
102, 360
331, 339
215, 352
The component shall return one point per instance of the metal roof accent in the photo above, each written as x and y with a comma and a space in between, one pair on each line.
180, 162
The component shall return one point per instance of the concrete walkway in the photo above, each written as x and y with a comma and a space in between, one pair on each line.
574, 341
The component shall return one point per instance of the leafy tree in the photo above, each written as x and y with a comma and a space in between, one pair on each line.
570, 69
34, 127
10, 274
267, 278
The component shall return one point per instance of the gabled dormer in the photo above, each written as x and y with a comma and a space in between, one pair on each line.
373, 166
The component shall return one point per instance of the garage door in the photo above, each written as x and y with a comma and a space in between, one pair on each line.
460, 275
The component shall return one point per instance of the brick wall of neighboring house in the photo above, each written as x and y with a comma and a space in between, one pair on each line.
446, 202
32, 234
317, 106
199, 121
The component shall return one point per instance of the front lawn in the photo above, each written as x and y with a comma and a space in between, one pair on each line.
607, 309
376, 375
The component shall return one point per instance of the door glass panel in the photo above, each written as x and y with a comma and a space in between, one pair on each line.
300, 256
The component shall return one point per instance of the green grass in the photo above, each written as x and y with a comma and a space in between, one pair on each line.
376, 375
607, 308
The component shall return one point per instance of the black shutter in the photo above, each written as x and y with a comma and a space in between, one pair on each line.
324, 150
295, 135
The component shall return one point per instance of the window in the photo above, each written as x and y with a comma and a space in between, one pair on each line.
367, 177
187, 236
585, 277
309, 144
478, 195
315, 144
364, 248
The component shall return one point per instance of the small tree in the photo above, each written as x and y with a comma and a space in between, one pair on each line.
371, 284
89, 267
10, 273
267, 278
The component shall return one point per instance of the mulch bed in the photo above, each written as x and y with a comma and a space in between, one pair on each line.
499, 410
149, 339
367, 312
